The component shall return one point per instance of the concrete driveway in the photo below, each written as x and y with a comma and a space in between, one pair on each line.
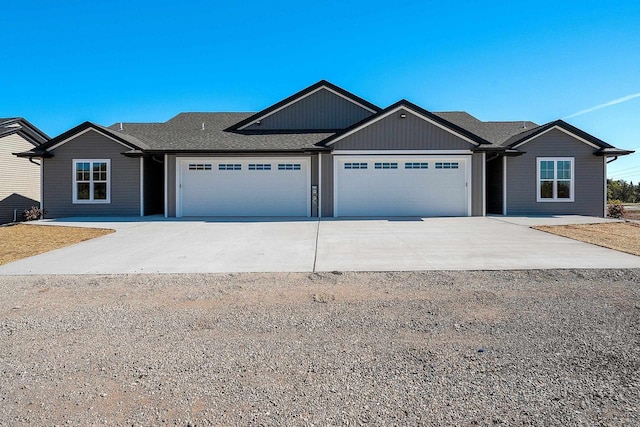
158, 245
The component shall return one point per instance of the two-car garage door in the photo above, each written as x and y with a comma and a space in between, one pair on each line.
241, 186
362, 186
401, 186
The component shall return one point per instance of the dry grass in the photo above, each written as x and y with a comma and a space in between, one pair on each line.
621, 236
22, 241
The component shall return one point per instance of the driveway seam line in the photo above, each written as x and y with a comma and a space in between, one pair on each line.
315, 254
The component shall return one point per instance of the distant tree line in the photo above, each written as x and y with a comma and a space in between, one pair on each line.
623, 190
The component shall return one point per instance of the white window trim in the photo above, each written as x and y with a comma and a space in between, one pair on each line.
555, 198
75, 183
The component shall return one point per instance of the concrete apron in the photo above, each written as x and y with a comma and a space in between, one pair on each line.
213, 245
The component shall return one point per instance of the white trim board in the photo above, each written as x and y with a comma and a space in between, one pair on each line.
468, 160
180, 161
82, 133
303, 97
560, 129
395, 110
400, 152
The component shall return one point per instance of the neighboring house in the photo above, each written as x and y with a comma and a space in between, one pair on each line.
324, 152
19, 178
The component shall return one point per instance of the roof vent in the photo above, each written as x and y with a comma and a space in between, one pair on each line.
524, 125
121, 127
202, 126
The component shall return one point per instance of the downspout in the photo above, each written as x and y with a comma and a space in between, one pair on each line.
38, 164
612, 160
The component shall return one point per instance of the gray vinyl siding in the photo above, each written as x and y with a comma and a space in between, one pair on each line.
326, 186
19, 178
171, 183
171, 168
395, 133
522, 177
314, 181
124, 175
477, 174
321, 110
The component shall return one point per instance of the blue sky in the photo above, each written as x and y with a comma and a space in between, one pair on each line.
65, 62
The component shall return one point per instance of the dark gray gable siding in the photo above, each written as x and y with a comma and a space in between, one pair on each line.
318, 111
409, 133
589, 177
58, 178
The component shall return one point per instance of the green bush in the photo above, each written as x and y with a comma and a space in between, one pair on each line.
615, 209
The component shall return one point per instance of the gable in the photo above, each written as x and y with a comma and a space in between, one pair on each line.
394, 132
557, 143
322, 109
89, 144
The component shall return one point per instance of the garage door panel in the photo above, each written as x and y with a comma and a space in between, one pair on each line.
253, 187
406, 187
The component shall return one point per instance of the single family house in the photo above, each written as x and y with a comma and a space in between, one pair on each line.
19, 180
324, 152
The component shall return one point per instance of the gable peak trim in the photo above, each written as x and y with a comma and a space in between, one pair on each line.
413, 109
556, 126
298, 96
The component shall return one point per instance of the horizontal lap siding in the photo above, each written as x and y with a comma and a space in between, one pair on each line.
409, 133
19, 178
321, 110
522, 177
58, 178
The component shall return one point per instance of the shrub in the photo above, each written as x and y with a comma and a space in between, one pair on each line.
615, 209
33, 213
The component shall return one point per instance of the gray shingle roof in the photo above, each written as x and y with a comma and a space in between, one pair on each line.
498, 133
185, 132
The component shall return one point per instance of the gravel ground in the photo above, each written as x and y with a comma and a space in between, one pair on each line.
429, 348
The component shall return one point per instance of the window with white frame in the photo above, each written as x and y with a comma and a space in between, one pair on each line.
91, 181
555, 179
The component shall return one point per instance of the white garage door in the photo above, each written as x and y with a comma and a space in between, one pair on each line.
243, 187
401, 186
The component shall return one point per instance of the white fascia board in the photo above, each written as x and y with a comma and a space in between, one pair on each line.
82, 133
560, 129
303, 97
395, 110
399, 152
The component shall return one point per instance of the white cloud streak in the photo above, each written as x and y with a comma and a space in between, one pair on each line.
606, 104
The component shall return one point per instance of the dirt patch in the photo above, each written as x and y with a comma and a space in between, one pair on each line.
621, 236
22, 240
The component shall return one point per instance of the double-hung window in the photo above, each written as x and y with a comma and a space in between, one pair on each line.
555, 179
91, 181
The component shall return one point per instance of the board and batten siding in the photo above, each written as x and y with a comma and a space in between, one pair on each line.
326, 185
19, 178
588, 177
58, 178
396, 133
477, 188
320, 110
